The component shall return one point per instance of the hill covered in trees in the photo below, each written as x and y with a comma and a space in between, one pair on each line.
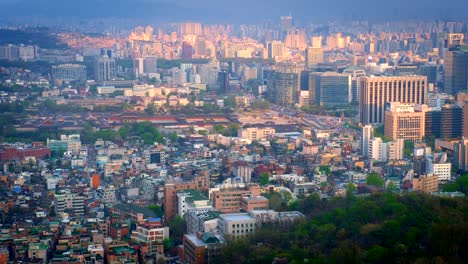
382, 228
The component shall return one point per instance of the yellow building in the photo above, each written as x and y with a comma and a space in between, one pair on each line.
403, 122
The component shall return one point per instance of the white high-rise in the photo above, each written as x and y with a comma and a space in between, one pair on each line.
367, 135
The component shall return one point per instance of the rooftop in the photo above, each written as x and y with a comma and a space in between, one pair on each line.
236, 217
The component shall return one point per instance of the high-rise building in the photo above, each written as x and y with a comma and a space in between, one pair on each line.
283, 88
296, 39
455, 39
187, 51
313, 57
456, 70
367, 135
332, 89
223, 81
403, 122
444, 122
465, 119
275, 49
374, 92
9, 52
286, 23
385, 151
150, 64
460, 155
69, 72
190, 28
105, 69
355, 73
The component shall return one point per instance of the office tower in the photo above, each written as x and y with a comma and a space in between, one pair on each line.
402, 121
190, 28
430, 71
105, 69
355, 73
456, 70
150, 64
106, 52
275, 49
296, 39
69, 72
223, 81
367, 135
313, 56
283, 88
329, 89
445, 122
460, 155
138, 67
187, 51
374, 92
286, 23
455, 39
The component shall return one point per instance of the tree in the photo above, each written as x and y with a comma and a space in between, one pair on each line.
264, 179
218, 129
375, 180
325, 169
156, 209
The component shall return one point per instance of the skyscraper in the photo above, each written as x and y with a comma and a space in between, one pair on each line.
355, 73
444, 122
284, 88
374, 92
104, 69
286, 23
456, 70
313, 56
274, 49
329, 88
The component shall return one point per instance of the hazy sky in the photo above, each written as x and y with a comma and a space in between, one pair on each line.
238, 11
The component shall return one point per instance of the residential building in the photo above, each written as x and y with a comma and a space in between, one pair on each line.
66, 202
256, 133
375, 92
314, 56
426, 183
151, 233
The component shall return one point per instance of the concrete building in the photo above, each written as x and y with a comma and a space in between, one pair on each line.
367, 135
437, 164
202, 221
104, 69
284, 88
313, 57
152, 234
67, 202
426, 183
69, 72
403, 122
256, 133
201, 248
253, 203
191, 199
355, 73
237, 224
374, 92
228, 199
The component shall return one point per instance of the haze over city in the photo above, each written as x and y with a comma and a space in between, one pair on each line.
200, 132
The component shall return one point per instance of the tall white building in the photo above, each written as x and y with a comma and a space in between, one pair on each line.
381, 151
367, 135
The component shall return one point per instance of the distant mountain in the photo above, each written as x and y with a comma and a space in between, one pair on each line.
239, 11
